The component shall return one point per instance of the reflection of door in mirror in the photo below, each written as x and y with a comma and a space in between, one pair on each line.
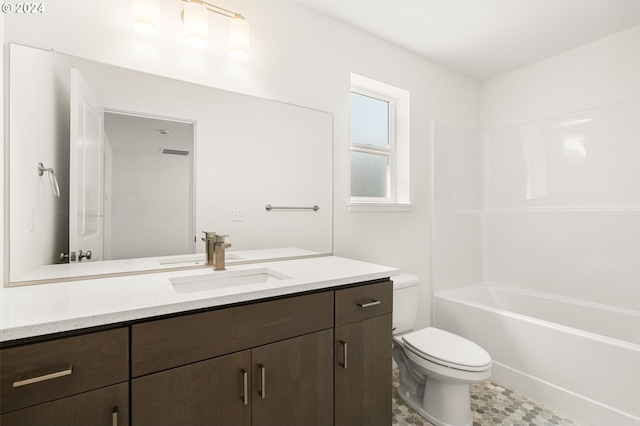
86, 205
148, 185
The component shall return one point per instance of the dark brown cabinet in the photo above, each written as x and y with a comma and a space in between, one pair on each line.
211, 392
363, 355
266, 363
283, 383
161, 344
102, 407
293, 381
76, 380
319, 359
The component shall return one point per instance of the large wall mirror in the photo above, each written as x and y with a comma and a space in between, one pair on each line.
132, 167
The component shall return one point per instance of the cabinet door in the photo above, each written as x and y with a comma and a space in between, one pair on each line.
211, 392
108, 406
293, 381
363, 372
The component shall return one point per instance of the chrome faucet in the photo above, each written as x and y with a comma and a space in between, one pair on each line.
214, 247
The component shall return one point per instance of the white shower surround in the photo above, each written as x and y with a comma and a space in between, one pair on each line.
551, 208
561, 205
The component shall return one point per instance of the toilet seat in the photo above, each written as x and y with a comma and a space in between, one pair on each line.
447, 349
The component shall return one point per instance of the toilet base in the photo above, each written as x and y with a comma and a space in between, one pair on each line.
458, 407
438, 393
442, 403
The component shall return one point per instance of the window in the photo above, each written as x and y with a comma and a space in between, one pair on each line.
379, 145
371, 147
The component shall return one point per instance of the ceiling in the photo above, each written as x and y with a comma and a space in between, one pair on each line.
136, 134
485, 38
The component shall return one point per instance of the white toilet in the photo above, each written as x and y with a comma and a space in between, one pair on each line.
436, 367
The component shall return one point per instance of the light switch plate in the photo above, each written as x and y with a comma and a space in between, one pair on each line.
33, 219
237, 215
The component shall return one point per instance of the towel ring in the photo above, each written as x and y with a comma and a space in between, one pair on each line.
52, 178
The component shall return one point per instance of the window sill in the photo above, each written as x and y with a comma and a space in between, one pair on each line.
379, 207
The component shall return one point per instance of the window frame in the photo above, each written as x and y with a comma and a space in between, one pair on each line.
389, 152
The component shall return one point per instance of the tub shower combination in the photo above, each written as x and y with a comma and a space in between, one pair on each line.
558, 351
536, 241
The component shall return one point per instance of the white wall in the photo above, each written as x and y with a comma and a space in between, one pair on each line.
149, 195
297, 56
562, 201
35, 212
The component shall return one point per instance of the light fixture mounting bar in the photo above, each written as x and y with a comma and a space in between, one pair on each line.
215, 9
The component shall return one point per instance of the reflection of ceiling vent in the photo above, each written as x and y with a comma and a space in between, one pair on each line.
174, 151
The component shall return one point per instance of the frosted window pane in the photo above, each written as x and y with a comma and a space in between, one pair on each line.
369, 175
369, 121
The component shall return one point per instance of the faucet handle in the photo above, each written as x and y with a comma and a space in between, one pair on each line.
212, 236
208, 235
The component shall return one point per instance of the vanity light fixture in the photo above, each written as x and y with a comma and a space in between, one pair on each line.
196, 23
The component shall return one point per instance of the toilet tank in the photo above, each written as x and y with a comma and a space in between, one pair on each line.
405, 302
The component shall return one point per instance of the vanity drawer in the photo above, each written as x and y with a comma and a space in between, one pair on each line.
363, 302
172, 342
41, 372
106, 406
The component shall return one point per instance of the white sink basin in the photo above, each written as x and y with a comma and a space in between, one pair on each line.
225, 279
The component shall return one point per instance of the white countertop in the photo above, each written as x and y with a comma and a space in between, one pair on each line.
89, 269
37, 310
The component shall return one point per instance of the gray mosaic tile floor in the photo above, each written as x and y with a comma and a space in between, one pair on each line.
491, 405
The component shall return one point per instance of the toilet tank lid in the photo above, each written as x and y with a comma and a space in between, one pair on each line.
404, 280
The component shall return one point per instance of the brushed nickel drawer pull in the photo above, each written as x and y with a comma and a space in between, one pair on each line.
263, 378
23, 382
343, 364
245, 386
114, 416
369, 304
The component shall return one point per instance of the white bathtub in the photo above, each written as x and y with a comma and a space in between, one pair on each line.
581, 359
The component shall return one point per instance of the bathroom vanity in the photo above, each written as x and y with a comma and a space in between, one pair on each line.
310, 346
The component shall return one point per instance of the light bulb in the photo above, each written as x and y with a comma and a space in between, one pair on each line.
238, 37
196, 24
146, 16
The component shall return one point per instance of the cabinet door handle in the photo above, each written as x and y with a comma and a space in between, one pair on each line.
114, 416
343, 364
245, 386
369, 304
263, 380
23, 382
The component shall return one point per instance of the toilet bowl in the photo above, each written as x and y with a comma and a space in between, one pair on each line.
436, 367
